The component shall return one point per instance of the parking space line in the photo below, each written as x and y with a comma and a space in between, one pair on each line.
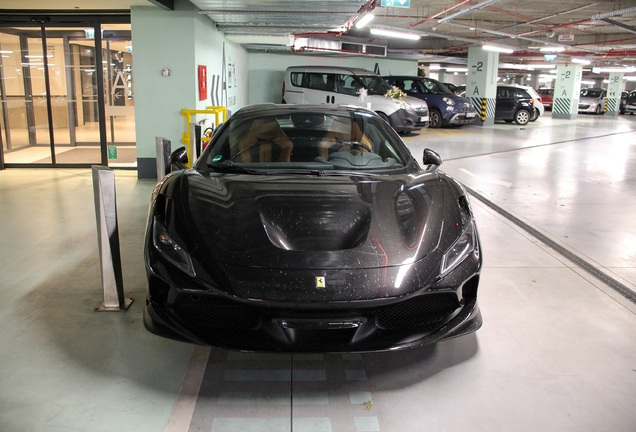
183, 409
367, 424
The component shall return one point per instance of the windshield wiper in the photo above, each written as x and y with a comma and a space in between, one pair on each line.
228, 166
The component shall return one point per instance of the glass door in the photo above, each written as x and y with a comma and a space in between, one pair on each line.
50, 96
119, 99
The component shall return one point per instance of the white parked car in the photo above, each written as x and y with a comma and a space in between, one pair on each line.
351, 86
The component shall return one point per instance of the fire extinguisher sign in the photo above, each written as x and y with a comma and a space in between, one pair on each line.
203, 79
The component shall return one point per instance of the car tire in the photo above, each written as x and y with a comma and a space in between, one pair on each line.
598, 110
522, 117
435, 118
535, 114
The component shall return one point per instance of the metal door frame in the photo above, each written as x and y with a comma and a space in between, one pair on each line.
52, 19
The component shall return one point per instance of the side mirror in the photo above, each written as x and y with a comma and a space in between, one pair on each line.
178, 159
431, 159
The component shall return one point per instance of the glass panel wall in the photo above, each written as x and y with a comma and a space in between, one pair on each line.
49, 111
118, 86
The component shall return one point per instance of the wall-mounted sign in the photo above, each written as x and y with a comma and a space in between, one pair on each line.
566, 38
396, 3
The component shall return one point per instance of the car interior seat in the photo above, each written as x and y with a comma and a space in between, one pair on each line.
340, 131
264, 141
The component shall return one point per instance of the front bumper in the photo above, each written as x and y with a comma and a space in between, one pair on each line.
270, 329
444, 309
588, 108
408, 121
630, 108
462, 118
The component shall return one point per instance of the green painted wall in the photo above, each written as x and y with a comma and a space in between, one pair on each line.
178, 40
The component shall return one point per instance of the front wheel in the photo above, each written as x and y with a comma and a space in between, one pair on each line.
598, 110
435, 118
522, 117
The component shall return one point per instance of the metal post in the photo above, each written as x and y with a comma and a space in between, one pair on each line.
195, 141
163, 147
108, 241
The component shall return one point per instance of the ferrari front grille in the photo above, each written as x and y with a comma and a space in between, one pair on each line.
215, 313
418, 312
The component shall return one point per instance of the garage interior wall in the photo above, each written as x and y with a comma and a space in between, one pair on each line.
178, 40
183, 39
267, 70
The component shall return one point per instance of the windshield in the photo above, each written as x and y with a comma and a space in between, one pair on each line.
374, 84
298, 142
434, 87
592, 93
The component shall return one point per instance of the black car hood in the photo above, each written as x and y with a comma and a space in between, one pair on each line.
311, 222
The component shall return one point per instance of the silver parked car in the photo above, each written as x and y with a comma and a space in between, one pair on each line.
592, 100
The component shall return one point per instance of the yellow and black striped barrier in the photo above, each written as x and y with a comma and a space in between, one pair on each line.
484, 104
606, 104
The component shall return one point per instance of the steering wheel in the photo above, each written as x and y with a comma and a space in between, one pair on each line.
354, 145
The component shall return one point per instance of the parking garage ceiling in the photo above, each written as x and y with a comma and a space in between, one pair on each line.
601, 31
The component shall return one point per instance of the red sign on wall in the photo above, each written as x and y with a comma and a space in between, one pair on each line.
203, 79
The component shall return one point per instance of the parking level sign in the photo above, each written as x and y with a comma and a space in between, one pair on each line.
396, 3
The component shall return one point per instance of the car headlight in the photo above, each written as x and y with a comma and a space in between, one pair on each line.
170, 249
465, 245
404, 105
448, 101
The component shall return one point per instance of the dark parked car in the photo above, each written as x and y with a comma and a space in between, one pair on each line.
445, 108
513, 104
630, 103
310, 228
547, 96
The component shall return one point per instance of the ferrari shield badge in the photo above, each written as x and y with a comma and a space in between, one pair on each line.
320, 282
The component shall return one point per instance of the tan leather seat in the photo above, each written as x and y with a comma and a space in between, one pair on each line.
264, 133
341, 132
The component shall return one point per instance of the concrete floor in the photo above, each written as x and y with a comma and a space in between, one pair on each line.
557, 351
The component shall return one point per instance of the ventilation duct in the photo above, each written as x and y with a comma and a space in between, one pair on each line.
302, 44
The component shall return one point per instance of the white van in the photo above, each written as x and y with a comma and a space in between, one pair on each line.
342, 86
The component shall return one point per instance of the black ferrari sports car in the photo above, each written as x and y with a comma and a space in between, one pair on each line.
310, 228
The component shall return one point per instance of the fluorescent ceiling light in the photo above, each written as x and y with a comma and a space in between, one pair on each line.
630, 78
588, 82
581, 61
6, 52
498, 49
456, 69
395, 34
364, 20
615, 69
552, 49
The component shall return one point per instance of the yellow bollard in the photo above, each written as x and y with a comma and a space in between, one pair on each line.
185, 137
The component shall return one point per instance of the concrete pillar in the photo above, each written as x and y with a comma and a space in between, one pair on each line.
567, 88
614, 89
481, 83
